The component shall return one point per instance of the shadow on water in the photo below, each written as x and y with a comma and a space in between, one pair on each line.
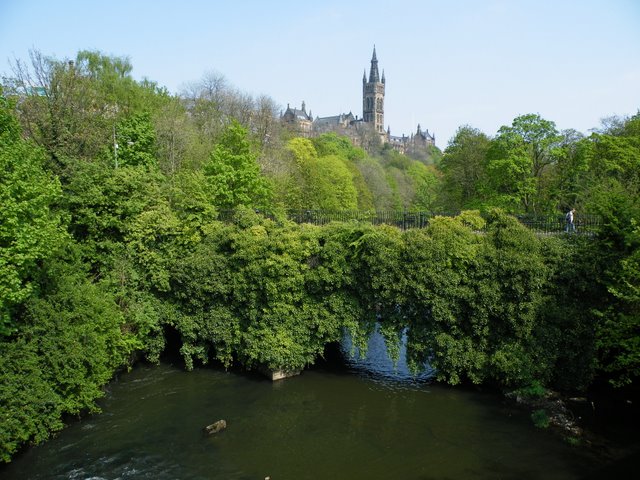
611, 417
345, 418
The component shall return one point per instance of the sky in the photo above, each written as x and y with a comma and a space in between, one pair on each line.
447, 63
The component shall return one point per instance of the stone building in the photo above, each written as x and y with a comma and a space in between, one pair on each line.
411, 144
373, 96
344, 121
298, 120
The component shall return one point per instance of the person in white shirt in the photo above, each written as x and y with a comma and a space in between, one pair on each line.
570, 226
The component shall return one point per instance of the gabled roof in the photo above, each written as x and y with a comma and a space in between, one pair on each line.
424, 135
297, 114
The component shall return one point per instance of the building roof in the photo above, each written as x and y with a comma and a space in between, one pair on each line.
425, 135
297, 114
336, 119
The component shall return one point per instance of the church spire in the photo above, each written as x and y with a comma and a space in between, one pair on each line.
374, 76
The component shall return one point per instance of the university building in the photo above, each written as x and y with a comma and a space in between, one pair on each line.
372, 120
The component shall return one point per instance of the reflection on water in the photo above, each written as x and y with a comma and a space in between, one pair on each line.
369, 421
377, 365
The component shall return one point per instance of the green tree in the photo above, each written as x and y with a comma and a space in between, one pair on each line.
135, 141
517, 160
103, 203
426, 182
290, 180
178, 144
377, 182
233, 174
469, 302
619, 334
333, 188
325, 183
613, 191
333, 144
70, 107
329, 144
463, 169
511, 293
452, 330
30, 229
264, 294
568, 179
572, 296
365, 197
71, 341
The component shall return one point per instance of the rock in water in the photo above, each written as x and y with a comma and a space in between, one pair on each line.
216, 427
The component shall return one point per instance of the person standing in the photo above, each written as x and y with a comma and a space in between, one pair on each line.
570, 225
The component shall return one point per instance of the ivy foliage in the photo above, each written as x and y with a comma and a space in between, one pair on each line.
264, 294
261, 293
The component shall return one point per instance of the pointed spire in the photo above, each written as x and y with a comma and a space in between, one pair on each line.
383, 80
364, 76
374, 76
303, 106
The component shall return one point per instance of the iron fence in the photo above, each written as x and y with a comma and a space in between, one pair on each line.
554, 224
404, 220
543, 224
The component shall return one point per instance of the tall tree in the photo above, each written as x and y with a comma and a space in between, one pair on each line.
319, 182
567, 181
340, 146
463, 168
377, 183
134, 141
29, 227
613, 191
69, 107
233, 173
426, 181
518, 158
176, 137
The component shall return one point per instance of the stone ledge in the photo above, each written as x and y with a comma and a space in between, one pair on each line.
275, 375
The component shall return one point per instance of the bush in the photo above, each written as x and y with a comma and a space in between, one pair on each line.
540, 418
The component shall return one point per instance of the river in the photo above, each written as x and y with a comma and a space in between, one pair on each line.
358, 419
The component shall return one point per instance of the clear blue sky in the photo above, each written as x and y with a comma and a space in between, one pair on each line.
447, 62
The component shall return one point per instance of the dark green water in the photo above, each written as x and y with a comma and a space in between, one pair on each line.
355, 422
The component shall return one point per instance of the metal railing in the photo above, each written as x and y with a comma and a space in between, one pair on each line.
543, 224
554, 224
404, 220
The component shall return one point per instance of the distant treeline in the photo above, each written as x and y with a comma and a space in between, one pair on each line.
110, 237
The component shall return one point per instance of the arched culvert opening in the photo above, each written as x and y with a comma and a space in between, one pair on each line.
172, 343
